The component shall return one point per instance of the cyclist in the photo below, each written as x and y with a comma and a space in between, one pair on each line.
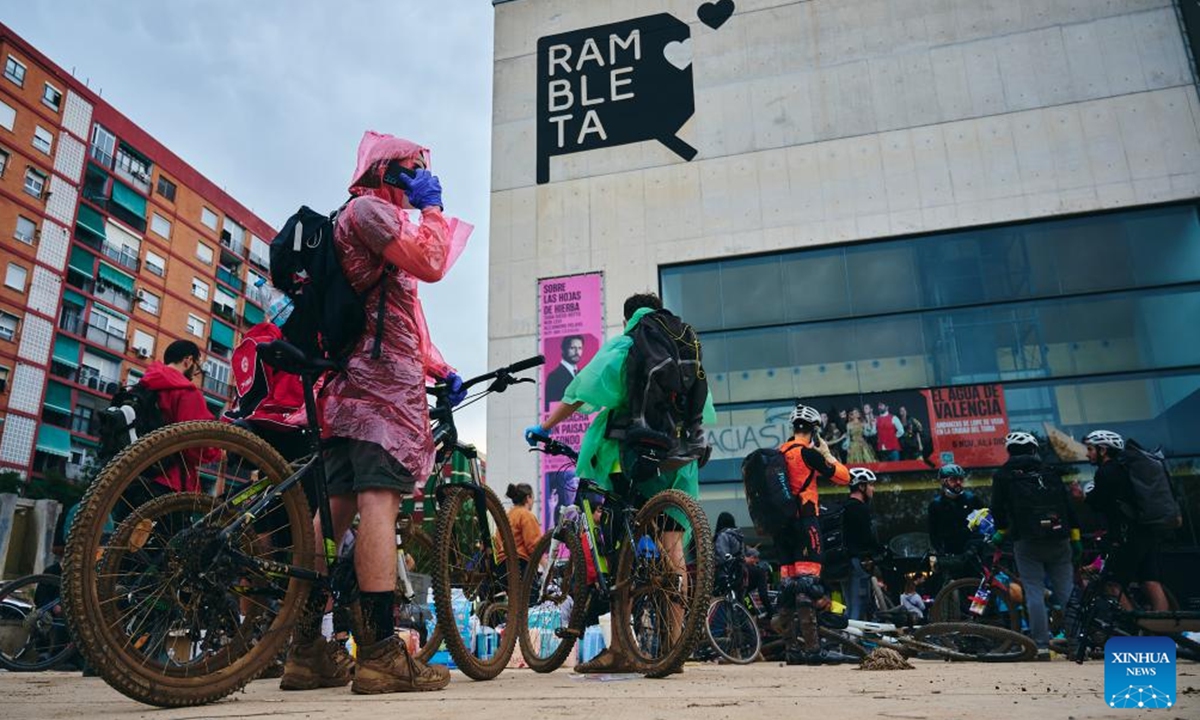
948, 531
376, 411
861, 543
1134, 553
1032, 507
729, 547
801, 592
600, 385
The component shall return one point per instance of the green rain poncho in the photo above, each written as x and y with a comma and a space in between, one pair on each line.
600, 386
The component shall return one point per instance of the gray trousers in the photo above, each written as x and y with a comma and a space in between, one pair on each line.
1039, 562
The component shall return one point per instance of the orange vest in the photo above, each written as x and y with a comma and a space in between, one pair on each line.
802, 479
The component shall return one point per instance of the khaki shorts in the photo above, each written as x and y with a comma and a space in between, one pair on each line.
352, 466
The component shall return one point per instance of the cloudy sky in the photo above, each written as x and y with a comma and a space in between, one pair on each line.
269, 99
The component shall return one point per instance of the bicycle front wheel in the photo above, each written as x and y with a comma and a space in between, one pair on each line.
953, 603
557, 590
733, 631
664, 583
473, 592
33, 627
981, 643
166, 611
418, 546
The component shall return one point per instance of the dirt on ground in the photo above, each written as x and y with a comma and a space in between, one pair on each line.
934, 690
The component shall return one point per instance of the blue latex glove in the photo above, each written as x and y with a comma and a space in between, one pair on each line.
534, 430
457, 392
423, 189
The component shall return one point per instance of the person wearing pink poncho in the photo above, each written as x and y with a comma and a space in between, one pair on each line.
375, 414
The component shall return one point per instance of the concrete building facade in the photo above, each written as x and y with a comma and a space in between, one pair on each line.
879, 142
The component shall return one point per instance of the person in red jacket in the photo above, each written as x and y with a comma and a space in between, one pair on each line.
888, 431
180, 400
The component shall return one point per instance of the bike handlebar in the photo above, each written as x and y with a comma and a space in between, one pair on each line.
501, 377
553, 447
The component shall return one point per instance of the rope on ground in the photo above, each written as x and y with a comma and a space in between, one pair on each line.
884, 659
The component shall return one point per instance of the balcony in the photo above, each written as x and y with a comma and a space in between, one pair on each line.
86, 425
133, 169
93, 380
112, 295
80, 282
226, 275
71, 322
106, 339
122, 255
260, 296
89, 240
214, 386
230, 248
104, 159
263, 261
225, 312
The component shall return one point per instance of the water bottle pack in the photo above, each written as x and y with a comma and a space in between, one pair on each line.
592, 643
545, 619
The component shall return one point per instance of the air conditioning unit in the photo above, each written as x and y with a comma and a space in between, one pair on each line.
144, 177
142, 352
141, 294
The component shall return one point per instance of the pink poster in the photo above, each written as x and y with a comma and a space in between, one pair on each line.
571, 329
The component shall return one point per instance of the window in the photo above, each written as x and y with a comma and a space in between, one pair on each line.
8, 116
14, 70
26, 230
195, 326
200, 288
204, 253
260, 252
148, 301
15, 277
8, 326
156, 264
166, 188
3, 379
3, 162
209, 218
35, 183
104, 146
51, 97
42, 139
160, 225
143, 343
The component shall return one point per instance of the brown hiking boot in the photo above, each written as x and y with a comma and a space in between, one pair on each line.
318, 664
386, 667
608, 661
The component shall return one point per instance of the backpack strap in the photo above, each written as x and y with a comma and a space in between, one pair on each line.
812, 474
383, 283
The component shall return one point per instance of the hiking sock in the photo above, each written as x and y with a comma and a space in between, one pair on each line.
308, 626
341, 621
378, 611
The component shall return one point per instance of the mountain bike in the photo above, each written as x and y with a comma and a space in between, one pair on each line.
942, 641
192, 596
662, 551
731, 627
996, 598
33, 629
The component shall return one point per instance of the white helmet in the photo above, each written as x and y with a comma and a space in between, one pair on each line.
1105, 438
1019, 438
861, 476
805, 414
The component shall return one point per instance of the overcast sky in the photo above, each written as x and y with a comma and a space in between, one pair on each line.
269, 98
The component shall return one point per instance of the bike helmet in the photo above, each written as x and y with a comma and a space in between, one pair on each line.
861, 476
1017, 439
950, 472
1105, 438
805, 414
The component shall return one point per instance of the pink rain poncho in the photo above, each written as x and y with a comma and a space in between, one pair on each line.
382, 400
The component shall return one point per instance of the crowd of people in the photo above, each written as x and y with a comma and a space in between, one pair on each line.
873, 434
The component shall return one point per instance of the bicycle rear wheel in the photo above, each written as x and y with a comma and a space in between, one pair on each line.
664, 583
33, 628
166, 612
982, 643
476, 584
558, 599
733, 631
953, 603
419, 546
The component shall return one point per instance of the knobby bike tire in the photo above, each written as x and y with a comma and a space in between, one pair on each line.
415, 537
576, 578
692, 632
733, 610
842, 642
947, 606
1005, 645
449, 533
99, 643
12, 615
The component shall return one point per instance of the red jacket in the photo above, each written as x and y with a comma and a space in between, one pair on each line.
180, 400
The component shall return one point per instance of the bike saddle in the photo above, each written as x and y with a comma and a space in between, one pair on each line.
284, 356
832, 620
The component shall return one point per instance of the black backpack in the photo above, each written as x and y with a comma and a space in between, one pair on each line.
328, 316
132, 413
660, 430
835, 559
1152, 488
768, 496
1039, 505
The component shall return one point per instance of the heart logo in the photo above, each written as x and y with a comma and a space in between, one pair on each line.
679, 53
714, 14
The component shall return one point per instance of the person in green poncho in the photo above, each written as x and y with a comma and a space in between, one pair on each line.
600, 387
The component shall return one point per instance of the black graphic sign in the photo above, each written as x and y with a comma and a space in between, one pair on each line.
614, 84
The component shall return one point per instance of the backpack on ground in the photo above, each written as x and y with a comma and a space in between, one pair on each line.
768, 496
132, 413
328, 317
1152, 489
666, 390
1039, 506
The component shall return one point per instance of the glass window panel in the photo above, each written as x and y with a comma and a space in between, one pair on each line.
1166, 244
694, 292
750, 292
814, 285
882, 278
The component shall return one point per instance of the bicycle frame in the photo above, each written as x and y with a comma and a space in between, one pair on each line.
586, 525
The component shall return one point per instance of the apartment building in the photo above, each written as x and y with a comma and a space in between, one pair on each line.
111, 247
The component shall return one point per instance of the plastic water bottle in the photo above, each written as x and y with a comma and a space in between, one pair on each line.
486, 642
592, 645
979, 599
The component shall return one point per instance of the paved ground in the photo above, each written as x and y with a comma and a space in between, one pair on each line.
1033, 691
